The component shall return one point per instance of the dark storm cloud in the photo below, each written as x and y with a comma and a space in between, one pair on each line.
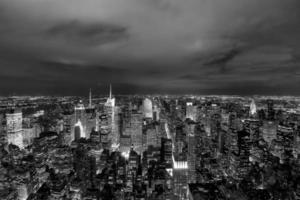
82, 72
217, 60
88, 34
223, 58
198, 46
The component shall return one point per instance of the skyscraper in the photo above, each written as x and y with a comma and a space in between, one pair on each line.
191, 160
270, 110
252, 108
147, 108
110, 102
269, 131
90, 100
112, 116
80, 119
14, 128
191, 111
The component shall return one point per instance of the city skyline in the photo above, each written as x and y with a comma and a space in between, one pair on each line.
150, 47
149, 148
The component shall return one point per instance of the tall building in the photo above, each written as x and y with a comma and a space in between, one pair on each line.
152, 136
112, 113
80, 120
66, 134
191, 153
84, 120
134, 128
3, 134
90, 106
253, 109
269, 131
285, 135
156, 112
167, 152
251, 126
110, 102
147, 108
243, 164
191, 111
180, 183
270, 109
14, 128
180, 164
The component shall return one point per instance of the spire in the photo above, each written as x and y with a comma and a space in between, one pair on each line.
90, 98
109, 91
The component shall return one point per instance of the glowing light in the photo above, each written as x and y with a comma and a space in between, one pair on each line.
82, 133
170, 171
125, 155
168, 131
115, 146
80, 106
252, 107
147, 104
179, 164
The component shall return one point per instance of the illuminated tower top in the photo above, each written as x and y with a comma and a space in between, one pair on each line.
80, 106
110, 101
252, 108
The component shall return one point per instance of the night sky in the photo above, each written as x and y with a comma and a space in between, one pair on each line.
65, 47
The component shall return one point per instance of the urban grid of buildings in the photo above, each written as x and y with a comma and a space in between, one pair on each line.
154, 147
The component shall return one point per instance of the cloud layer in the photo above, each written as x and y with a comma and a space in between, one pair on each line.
150, 46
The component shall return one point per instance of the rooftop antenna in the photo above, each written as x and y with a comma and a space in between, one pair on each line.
110, 91
90, 98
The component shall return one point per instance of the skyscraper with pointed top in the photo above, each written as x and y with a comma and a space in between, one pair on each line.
112, 113
110, 101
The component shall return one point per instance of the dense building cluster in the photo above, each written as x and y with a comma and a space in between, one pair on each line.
149, 148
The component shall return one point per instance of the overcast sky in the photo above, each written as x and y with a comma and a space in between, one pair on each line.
65, 47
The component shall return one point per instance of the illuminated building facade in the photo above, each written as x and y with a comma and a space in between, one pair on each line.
253, 110
285, 135
79, 128
112, 112
180, 164
134, 128
180, 182
191, 111
251, 126
156, 113
14, 128
85, 120
269, 131
167, 152
191, 152
147, 108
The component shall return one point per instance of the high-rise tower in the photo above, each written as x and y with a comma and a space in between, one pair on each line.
252, 108
79, 129
147, 108
14, 128
110, 101
112, 113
